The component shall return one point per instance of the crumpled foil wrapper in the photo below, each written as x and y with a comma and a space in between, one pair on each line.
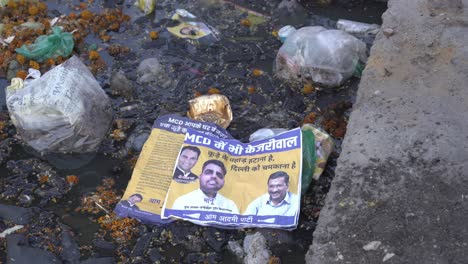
211, 108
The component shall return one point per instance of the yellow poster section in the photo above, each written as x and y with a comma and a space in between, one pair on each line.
247, 176
154, 169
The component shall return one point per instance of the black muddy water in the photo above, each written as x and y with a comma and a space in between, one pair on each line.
192, 69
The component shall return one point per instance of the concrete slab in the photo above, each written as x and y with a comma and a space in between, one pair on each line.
400, 194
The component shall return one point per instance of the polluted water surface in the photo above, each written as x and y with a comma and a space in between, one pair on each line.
71, 197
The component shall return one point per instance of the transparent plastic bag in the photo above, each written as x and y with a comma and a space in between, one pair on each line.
328, 57
64, 111
49, 46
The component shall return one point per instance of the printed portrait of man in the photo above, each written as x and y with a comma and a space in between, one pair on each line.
132, 201
187, 159
207, 197
278, 201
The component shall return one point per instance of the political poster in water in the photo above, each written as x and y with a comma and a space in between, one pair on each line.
154, 171
235, 184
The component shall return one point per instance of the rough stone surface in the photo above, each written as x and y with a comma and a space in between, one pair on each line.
120, 85
256, 250
17, 215
402, 177
18, 251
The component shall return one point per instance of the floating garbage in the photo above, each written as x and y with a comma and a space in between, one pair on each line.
65, 110
328, 57
147, 6
49, 46
353, 27
189, 27
211, 108
285, 31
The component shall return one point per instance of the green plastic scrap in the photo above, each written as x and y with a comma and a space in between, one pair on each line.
308, 159
49, 46
359, 68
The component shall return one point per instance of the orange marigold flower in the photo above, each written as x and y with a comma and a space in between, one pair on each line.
34, 65
308, 88
20, 58
246, 22
105, 38
43, 179
94, 55
251, 89
274, 33
33, 10
310, 118
86, 14
59, 60
72, 180
154, 35
12, 4
21, 74
50, 62
213, 90
257, 72
42, 6
114, 26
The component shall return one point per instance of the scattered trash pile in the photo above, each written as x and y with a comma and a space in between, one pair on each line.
327, 57
67, 97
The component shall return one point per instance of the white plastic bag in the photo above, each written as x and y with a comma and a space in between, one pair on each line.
328, 57
65, 110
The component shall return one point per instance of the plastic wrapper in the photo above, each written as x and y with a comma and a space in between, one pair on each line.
190, 28
284, 32
323, 148
65, 110
49, 46
353, 27
264, 133
308, 159
147, 6
211, 108
328, 57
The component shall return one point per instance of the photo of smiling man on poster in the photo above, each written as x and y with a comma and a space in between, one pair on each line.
278, 200
187, 159
207, 197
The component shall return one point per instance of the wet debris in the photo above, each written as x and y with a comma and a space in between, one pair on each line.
33, 180
17, 215
102, 200
19, 250
120, 85
233, 66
